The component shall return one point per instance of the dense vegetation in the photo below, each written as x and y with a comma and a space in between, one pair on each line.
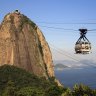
17, 82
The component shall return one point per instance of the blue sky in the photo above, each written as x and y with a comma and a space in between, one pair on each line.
54, 13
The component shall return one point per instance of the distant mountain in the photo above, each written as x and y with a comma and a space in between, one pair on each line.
68, 63
75, 64
60, 66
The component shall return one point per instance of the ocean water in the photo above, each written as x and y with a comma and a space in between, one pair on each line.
71, 76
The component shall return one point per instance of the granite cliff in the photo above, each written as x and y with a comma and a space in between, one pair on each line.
22, 44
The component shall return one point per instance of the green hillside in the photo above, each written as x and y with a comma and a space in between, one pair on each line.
23, 82
20, 77
18, 82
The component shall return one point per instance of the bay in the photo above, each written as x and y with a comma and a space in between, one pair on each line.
71, 76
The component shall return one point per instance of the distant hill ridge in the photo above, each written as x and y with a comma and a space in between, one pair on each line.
60, 65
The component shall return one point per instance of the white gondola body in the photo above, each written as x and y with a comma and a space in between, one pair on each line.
83, 47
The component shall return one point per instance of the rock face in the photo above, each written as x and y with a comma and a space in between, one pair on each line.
22, 44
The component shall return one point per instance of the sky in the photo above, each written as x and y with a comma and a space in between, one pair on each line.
53, 18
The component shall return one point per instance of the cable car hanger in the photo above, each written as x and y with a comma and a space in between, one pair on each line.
82, 35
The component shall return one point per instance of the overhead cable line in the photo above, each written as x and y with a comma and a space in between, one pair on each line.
61, 28
69, 55
92, 30
61, 52
66, 23
58, 28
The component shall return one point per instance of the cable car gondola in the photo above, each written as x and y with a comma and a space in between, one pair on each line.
82, 46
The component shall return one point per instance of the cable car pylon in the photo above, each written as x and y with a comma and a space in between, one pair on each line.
83, 46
